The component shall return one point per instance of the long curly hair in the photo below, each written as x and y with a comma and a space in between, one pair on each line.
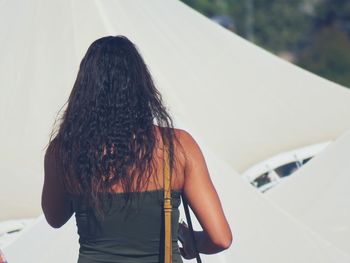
107, 132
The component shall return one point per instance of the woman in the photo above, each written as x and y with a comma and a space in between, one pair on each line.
105, 164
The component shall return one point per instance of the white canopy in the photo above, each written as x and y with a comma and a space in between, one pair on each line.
210, 78
319, 193
244, 103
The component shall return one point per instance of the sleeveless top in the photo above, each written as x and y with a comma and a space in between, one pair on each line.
131, 232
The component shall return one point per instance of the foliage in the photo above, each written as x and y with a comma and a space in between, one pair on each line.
333, 12
277, 24
327, 52
328, 55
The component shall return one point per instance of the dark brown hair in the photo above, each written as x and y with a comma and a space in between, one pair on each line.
106, 134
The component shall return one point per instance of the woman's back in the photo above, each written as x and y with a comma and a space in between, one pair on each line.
107, 145
132, 231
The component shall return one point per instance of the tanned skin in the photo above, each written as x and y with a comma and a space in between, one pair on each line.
190, 175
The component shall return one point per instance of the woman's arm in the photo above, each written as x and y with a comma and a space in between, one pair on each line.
56, 206
204, 201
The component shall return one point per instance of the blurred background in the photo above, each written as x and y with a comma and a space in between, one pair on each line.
313, 34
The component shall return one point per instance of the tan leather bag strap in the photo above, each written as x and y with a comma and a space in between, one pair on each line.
167, 209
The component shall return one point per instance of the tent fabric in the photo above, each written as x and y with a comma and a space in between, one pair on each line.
210, 78
318, 193
261, 231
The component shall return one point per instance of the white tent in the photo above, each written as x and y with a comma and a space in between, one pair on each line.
261, 232
210, 78
212, 81
319, 193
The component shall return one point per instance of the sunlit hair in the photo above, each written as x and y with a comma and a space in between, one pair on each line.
106, 134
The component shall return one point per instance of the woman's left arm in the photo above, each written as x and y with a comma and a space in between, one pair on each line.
56, 205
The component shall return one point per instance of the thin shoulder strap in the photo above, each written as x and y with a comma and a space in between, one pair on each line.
167, 208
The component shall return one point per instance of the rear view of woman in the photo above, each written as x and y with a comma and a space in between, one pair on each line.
105, 164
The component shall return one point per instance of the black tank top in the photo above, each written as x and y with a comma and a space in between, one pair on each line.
132, 232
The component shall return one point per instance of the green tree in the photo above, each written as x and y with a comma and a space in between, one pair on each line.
277, 25
330, 12
328, 51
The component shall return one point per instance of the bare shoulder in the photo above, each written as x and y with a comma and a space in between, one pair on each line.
189, 148
52, 146
51, 162
185, 138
